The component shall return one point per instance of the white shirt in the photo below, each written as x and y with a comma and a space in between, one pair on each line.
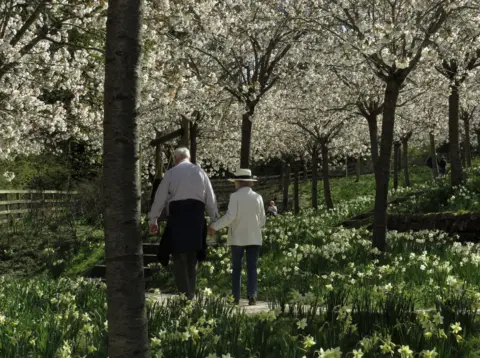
245, 218
184, 181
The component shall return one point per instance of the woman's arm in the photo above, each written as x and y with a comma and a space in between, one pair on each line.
262, 216
229, 217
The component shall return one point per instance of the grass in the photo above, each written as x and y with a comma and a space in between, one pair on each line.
49, 244
441, 197
306, 262
348, 188
84, 261
367, 299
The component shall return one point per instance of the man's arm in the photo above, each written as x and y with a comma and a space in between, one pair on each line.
160, 200
210, 199
229, 217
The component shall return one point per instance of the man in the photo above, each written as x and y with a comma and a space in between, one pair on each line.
186, 192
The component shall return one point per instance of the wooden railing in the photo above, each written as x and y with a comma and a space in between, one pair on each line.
15, 204
266, 184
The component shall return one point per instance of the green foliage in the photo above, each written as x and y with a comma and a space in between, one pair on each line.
347, 188
73, 163
441, 197
329, 292
49, 241
35, 172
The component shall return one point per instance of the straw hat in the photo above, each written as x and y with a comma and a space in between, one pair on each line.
243, 175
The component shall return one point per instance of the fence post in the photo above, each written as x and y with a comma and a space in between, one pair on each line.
286, 185
296, 194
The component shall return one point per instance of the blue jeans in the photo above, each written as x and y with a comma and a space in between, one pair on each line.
237, 260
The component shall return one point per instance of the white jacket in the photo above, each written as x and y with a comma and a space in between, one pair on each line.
245, 218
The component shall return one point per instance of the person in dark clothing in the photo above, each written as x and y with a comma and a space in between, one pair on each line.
186, 192
442, 166
429, 162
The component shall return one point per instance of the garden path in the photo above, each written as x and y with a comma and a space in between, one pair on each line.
258, 308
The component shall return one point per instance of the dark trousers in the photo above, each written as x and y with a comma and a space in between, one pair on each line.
185, 272
237, 261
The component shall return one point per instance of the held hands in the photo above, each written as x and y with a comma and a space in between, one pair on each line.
211, 231
154, 228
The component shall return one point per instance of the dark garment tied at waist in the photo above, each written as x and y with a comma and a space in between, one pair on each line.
186, 230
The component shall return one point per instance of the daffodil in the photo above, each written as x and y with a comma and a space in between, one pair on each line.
357, 354
302, 324
405, 352
309, 342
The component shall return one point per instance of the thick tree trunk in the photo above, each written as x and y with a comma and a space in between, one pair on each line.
373, 131
358, 168
127, 321
405, 163
315, 178
296, 189
396, 164
433, 155
286, 187
327, 194
453, 137
193, 142
382, 172
467, 145
246, 139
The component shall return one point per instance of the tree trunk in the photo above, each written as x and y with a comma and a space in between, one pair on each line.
193, 142
467, 145
327, 194
453, 137
478, 140
127, 321
158, 161
296, 194
286, 187
373, 131
358, 169
382, 172
282, 177
396, 164
246, 139
305, 170
433, 155
185, 139
315, 178
405, 162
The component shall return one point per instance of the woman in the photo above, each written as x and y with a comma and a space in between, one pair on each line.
245, 218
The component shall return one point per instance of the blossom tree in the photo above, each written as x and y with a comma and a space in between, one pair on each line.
42, 55
392, 37
245, 43
458, 58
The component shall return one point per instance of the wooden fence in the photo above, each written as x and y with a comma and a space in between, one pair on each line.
15, 204
268, 185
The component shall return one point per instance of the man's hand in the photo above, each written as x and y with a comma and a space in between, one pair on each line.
211, 231
154, 228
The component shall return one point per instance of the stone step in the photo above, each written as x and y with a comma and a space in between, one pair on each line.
150, 259
150, 248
